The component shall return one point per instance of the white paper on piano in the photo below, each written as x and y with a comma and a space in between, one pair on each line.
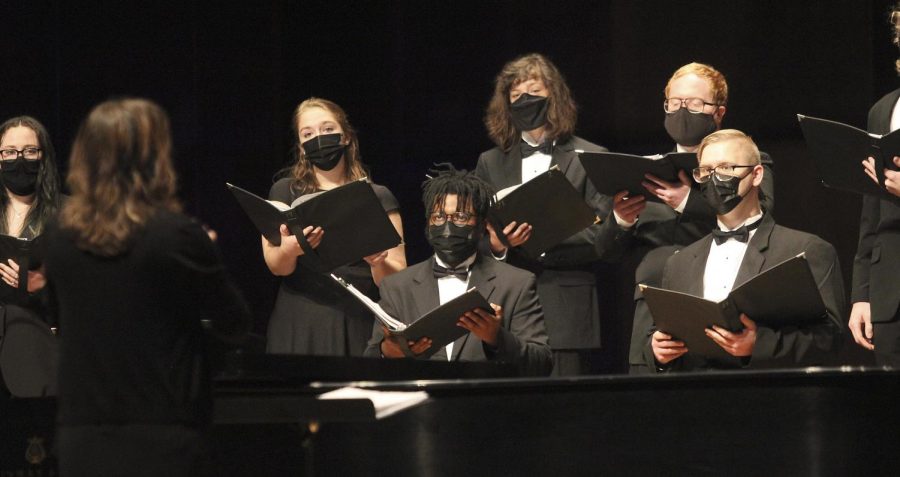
386, 403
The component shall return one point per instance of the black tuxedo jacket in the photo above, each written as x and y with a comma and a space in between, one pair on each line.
770, 245
409, 294
565, 277
875, 278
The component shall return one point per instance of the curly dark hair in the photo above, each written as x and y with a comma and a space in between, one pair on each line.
471, 191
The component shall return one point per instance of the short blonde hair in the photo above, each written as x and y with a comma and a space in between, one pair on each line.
712, 76
724, 135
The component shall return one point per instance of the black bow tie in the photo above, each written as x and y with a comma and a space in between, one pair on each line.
441, 272
741, 234
545, 147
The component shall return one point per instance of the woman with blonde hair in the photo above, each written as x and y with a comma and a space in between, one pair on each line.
134, 279
312, 314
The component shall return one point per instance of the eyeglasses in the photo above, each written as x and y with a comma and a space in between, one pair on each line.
723, 172
458, 218
30, 153
694, 105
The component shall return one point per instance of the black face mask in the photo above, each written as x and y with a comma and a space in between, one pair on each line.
529, 112
688, 128
324, 151
722, 196
20, 175
451, 243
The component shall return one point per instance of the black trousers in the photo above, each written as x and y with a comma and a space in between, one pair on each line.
133, 450
886, 339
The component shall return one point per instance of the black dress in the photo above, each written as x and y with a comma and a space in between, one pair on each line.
134, 389
28, 348
313, 315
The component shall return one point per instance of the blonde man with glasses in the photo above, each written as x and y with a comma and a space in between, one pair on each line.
746, 242
695, 102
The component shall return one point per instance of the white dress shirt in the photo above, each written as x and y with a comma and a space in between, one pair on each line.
723, 263
895, 116
450, 287
535, 164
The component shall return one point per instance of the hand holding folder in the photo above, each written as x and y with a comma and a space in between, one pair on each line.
838, 150
26, 254
355, 224
439, 325
549, 204
612, 172
783, 295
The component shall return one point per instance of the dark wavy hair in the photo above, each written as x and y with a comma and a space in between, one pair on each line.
471, 191
562, 113
302, 173
120, 174
47, 191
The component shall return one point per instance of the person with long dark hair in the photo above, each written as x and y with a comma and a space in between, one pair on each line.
30, 197
134, 280
531, 118
312, 314
29, 200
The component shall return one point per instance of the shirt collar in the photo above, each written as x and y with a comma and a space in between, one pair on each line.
750, 220
465, 263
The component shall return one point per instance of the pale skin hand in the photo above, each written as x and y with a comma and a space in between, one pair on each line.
389, 261
484, 325
666, 349
10, 273
282, 259
628, 208
515, 234
672, 193
392, 345
891, 178
861, 324
736, 344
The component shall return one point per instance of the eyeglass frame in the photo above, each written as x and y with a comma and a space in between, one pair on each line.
21, 152
683, 105
713, 171
432, 218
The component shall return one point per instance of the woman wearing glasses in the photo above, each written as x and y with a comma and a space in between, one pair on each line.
29, 199
31, 194
312, 314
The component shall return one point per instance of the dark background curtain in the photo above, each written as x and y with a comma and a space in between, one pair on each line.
416, 76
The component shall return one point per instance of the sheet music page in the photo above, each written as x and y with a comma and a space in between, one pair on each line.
386, 403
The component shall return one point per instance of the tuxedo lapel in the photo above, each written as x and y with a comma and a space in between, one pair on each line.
754, 257
697, 268
425, 290
511, 168
881, 122
481, 278
563, 155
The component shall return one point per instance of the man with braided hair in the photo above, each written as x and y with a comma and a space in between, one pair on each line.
456, 205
